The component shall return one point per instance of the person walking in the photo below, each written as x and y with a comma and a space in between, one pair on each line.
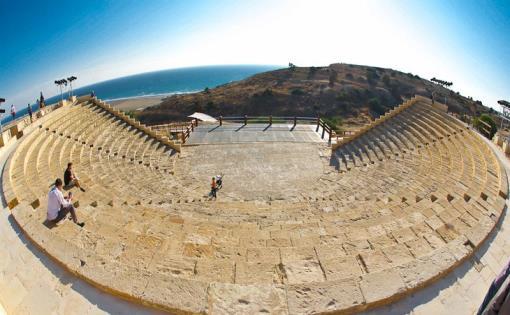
13, 112
29, 109
219, 181
214, 187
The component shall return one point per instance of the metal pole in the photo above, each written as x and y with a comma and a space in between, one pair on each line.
295, 122
270, 120
318, 122
245, 120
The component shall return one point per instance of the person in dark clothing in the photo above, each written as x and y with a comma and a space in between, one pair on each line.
29, 109
214, 188
497, 299
70, 179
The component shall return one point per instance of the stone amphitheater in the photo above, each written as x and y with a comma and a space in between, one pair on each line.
405, 216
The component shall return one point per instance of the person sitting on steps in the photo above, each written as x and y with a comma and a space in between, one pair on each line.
59, 206
70, 179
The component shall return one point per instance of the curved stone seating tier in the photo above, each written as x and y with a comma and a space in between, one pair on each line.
410, 199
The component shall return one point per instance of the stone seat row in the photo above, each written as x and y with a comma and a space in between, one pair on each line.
42, 149
386, 229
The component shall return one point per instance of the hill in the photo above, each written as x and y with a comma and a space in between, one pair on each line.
339, 92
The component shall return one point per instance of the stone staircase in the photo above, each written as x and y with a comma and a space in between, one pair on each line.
416, 195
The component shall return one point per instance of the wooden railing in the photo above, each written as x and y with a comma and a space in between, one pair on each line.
183, 130
189, 129
294, 120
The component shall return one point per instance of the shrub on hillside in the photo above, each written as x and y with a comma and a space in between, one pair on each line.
478, 123
334, 122
386, 80
297, 92
333, 76
375, 106
372, 76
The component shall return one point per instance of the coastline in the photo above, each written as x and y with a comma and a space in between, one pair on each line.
141, 102
136, 103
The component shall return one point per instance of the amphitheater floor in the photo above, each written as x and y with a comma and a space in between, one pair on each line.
255, 171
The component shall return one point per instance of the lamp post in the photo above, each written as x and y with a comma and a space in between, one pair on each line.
70, 80
444, 84
59, 84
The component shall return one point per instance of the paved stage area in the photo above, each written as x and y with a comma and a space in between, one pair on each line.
240, 133
255, 171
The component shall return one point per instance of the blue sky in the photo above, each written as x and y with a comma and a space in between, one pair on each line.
466, 42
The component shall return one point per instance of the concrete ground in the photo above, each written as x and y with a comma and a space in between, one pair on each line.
255, 171
240, 133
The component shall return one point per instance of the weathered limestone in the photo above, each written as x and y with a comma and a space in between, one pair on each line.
416, 197
246, 299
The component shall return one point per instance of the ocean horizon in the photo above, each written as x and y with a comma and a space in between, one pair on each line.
156, 83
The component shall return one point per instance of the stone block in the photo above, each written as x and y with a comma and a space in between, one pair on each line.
313, 298
289, 254
215, 270
341, 268
302, 271
263, 254
382, 287
420, 272
177, 295
256, 273
374, 261
246, 299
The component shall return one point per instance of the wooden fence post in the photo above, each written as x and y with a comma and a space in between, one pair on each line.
295, 122
318, 123
270, 120
245, 120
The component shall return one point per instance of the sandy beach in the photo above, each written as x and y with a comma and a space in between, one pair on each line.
136, 103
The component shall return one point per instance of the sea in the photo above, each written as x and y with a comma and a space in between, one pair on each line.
157, 83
